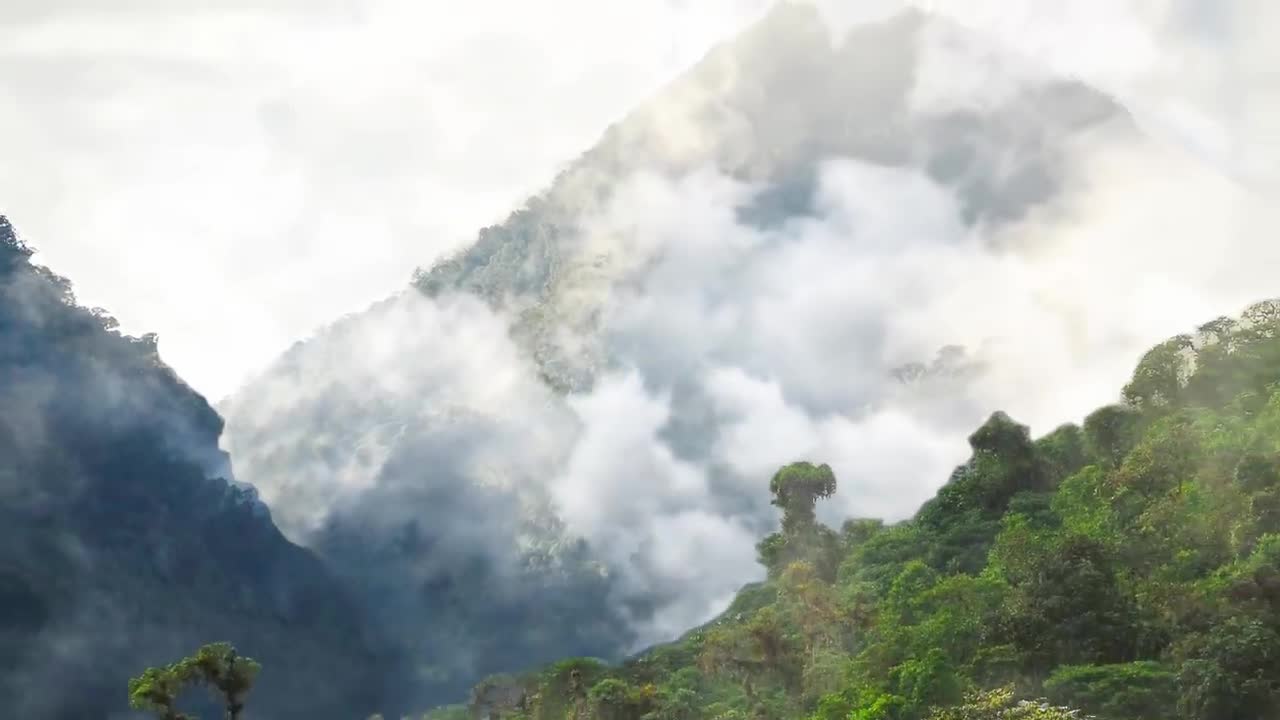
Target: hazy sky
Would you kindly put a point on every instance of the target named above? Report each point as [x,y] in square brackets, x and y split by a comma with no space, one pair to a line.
[232,174]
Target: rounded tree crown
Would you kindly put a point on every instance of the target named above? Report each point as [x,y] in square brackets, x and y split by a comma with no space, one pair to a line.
[796,489]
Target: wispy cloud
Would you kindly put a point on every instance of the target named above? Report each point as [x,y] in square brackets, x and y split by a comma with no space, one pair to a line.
[234,175]
[983,205]
[1054,250]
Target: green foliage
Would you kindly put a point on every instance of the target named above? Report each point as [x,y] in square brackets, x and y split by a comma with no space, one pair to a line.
[216,666]
[1004,462]
[1234,673]
[1258,473]
[1110,432]
[1065,602]
[772,551]
[1062,453]
[796,489]
[156,690]
[1161,375]
[1143,690]
[112,492]
[1002,704]
[1128,568]
[615,699]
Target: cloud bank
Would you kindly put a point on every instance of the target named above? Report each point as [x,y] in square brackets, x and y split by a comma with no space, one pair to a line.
[233,175]
[749,318]
[305,155]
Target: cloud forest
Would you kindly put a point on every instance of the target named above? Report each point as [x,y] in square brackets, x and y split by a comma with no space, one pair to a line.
[857,361]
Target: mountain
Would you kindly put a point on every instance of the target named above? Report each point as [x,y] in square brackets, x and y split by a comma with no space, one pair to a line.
[771,108]
[385,473]
[1127,568]
[518,457]
[125,540]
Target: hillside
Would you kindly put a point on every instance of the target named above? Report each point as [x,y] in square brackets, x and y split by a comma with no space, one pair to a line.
[1127,568]
[457,452]
[125,540]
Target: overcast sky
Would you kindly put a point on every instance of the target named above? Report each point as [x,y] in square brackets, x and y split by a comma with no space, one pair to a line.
[232,174]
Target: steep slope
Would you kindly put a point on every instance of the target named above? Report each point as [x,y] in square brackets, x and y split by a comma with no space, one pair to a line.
[1128,567]
[384,463]
[771,108]
[125,542]
[450,449]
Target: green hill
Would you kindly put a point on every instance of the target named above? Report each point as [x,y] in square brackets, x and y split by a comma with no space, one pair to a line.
[1128,567]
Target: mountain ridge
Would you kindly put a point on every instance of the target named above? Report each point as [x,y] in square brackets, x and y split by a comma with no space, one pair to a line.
[126,540]
[349,428]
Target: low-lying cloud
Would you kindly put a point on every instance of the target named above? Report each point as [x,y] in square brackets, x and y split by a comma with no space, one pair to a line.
[233,175]
[734,345]
[235,188]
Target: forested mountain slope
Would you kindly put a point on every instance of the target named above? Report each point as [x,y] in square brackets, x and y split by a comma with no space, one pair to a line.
[124,539]
[773,108]
[452,449]
[1127,567]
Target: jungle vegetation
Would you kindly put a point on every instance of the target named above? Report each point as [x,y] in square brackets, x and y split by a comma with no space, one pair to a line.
[1126,568]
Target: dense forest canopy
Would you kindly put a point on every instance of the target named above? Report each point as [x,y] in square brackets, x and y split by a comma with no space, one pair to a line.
[124,539]
[1127,568]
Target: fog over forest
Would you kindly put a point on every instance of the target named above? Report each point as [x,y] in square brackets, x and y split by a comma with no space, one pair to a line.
[490,325]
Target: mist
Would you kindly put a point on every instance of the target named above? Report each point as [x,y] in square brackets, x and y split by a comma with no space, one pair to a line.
[737,276]
[306,154]
[722,334]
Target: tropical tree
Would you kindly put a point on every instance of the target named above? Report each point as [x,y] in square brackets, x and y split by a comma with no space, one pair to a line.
[217,666]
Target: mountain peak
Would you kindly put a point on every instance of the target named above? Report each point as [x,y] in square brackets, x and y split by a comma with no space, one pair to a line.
[640,281]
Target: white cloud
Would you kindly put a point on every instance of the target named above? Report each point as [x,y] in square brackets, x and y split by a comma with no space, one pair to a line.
[619,476]
[235,175]
[327,426]
[684,545]
[887,462]
[234,179]
[789,333]
[1198,73]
